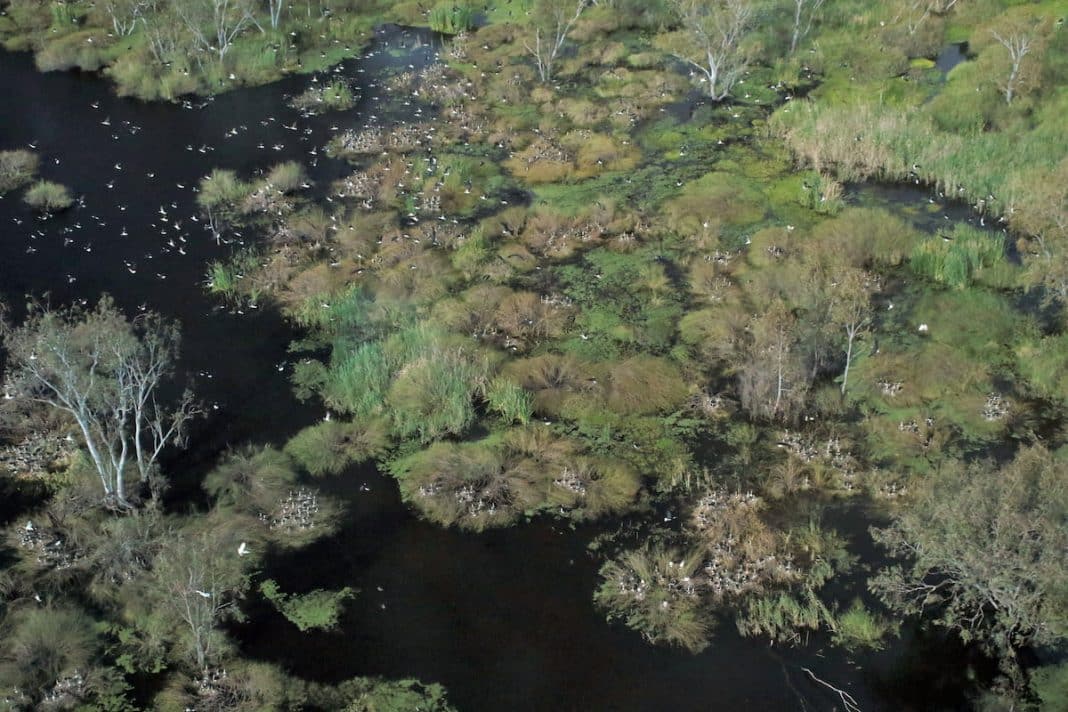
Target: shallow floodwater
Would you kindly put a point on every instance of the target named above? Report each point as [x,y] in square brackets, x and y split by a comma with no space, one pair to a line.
[503,619]
[951,55]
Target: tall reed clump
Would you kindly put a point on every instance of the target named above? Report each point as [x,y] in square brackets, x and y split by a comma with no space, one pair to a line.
[957,258]
[450,18]
[652,591]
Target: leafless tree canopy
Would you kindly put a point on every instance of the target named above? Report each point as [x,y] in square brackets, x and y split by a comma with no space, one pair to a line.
[214,24]
[714,41]
[804,15]
[104,372]
[1018,43]
[201,579]
[555,20]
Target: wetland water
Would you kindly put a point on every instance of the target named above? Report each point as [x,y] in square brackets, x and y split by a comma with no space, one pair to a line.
[503,619]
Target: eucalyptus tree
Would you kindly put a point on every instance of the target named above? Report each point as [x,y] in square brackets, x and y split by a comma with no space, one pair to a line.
[1022,40]
[851,309]
[274,9]
[215,24]
[805,12]
[715,40]
[125,15]
[553,22]
[772,379]
[982,551]
[198,580]
[105,372]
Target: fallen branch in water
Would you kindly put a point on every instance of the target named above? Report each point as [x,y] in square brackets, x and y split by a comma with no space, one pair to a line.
[847,699]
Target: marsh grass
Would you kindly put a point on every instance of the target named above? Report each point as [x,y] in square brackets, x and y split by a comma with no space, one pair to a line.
[329,447]
[649,589]
[222,279]
[860,629]
[336,96]
[510,401]
[452,18]
[958,259]
[783,617]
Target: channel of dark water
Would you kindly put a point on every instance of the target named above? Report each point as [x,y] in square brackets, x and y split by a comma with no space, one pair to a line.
[503,619]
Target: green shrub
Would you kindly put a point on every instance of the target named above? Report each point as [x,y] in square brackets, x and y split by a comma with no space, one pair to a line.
[82,50]
[315,610]
[468,485]
[331,446]
[1050,685]
[251,480]
[17,168]
[287,177]
[42,645]
[47,196]
[373,694]
[336,96]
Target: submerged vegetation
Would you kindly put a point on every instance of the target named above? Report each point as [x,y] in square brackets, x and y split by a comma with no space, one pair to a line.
[612,261]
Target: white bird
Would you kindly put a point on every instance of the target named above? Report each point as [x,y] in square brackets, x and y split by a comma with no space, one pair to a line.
[202,594]
[923,328]
[29,525]
[243,550]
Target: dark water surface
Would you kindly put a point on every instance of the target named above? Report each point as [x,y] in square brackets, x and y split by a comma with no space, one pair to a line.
[504,619]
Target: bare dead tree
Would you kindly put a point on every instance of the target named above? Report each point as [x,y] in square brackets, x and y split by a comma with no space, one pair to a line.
[851,310]
[555,19]
[215,24]
[165,36]
[274,9]
[104,372]
[772,380]
[804,15]
[714,41]
[1018,42]
[125,14]
[849,703]
[201,578]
